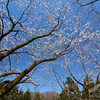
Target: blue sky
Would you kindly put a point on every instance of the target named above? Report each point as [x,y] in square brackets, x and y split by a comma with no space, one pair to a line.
[25,59]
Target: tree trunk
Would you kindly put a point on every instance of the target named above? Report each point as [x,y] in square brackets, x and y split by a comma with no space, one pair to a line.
[88,94]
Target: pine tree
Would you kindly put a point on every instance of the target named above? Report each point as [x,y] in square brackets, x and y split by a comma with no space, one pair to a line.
[72,89]
[37,96]
[27,95]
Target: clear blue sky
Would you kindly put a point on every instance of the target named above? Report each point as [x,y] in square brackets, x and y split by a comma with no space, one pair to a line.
[24,60]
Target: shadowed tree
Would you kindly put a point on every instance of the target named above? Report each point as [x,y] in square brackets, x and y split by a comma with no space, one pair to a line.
[37,96]
[27,95]
[72,89]
[12,95]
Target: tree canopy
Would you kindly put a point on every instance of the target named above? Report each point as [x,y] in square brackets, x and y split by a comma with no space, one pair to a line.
[41,35]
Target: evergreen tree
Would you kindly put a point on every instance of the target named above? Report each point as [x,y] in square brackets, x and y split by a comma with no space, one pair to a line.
[72,89]
[27,95]
[16,94]
[21,95]
[37,96]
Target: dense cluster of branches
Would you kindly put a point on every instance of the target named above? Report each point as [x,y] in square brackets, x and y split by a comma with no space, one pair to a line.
[45,31]
[29,33]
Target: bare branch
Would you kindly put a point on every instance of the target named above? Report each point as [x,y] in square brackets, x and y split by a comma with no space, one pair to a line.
[23,74]
[7,74]
[87,3]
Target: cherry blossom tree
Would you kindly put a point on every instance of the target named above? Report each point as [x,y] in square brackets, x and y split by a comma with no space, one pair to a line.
[87,61]
[41,31]
[83,63]
[90,8]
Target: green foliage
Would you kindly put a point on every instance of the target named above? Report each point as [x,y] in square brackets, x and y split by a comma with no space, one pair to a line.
[24,96]
[21,95]
[16,94]
[63,96]
[71,88]
[93,87]
[37,96]
[27,95]
[12,95]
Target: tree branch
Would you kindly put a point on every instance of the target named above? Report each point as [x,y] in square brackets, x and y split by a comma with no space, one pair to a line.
[2,56]
[7,74]
[87,3]
[23,74]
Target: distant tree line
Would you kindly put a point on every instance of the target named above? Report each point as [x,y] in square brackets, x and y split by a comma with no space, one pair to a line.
[71,88]
[16,94]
